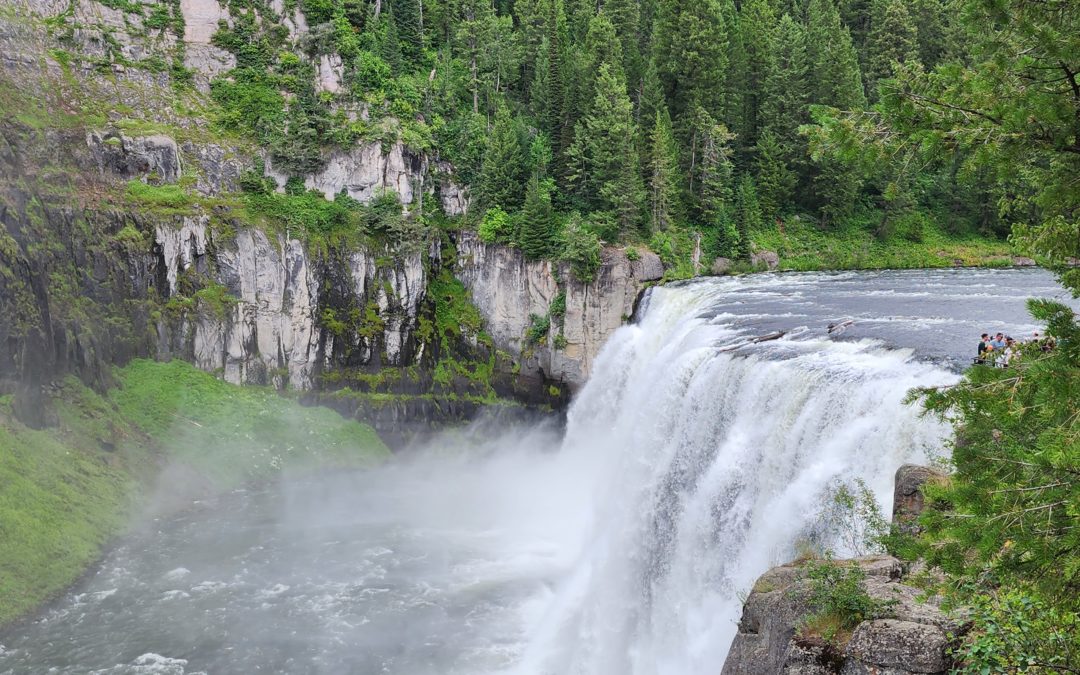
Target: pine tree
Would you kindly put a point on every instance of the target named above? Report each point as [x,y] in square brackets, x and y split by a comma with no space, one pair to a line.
[408,22]
[537,236]
[663,172]
[834,65]
[892,39]
[709,187]
[652,94]
[605,170]
[735,79]
[776,182]
[552,115]
[625,15]
[748,216]
[837,82]
[757,29]
[786,94]
[691,42]
[473,18]
[503,170]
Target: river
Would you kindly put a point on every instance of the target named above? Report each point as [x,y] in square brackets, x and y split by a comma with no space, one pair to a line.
[692,461]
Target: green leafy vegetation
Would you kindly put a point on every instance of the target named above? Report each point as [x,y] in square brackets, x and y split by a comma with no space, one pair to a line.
[68,489]
[839,600]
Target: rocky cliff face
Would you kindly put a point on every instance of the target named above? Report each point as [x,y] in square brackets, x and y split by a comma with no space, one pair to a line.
[510,291]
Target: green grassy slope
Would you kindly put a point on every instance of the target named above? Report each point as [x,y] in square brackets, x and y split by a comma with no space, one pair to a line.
[66,490]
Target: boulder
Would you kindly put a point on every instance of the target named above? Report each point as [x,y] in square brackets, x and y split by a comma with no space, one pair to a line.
[1022,261]
[907,493]
[722,266]
[888,645]
[913,639]
[767,259]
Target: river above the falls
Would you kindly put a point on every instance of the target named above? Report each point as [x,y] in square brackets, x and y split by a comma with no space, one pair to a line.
[692,461]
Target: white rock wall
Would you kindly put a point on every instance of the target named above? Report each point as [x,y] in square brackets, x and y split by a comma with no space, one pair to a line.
[274,324]
[507,289]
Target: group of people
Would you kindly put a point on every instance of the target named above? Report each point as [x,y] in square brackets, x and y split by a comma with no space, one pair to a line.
[999,350]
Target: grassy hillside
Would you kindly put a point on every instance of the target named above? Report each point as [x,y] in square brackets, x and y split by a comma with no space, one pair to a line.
[66,490]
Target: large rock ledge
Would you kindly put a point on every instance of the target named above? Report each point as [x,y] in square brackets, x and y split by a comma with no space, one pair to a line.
[914,638]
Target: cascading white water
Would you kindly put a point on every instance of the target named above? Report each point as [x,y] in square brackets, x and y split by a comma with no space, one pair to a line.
[711,465]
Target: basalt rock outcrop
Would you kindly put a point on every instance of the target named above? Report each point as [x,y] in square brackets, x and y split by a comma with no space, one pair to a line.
[510,291]
[914,635]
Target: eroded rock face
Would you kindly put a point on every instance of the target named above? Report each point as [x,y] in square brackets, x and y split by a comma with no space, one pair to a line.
[508,290]
[201,19]
[364,171]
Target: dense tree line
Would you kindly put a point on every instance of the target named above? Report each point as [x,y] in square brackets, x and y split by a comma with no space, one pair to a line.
[639,116]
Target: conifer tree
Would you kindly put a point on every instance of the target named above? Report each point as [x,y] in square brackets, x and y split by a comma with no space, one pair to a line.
[537,236]
[735,78]
[776,182]
[552,116]
[709,188]
[625,16]
[652,94]
[834,65]
[663,171]
[605,169]
[892,39]
[786,94]
[748,215]
[837,82]
[408,24]
[691,42]
[503,170]
[757,30]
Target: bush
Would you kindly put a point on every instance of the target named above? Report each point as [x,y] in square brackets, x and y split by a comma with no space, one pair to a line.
[1014,633]
[558,306]
[538,330]
[839,600]
[496,226]
[581,249]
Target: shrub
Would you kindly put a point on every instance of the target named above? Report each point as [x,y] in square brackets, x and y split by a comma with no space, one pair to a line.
[839,600]
[538,330]
[1014,633]
[558,305]
[496,226]
[581,249]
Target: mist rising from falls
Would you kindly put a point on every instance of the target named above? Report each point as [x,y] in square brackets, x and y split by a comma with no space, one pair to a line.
[710,466]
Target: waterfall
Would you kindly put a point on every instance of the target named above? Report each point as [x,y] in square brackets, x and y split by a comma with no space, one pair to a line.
[709,459]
